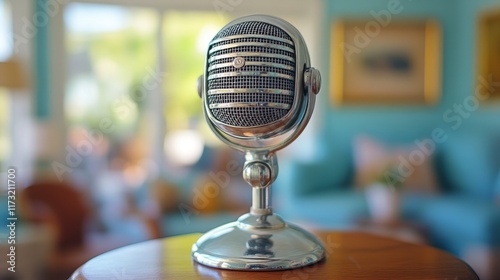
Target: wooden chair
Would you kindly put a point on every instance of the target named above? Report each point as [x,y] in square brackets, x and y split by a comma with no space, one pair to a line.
[67,211]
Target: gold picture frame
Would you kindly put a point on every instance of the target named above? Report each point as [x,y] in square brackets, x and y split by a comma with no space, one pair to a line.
[385,63]
[488,56]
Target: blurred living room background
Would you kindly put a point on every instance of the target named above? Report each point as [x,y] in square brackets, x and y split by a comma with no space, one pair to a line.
[102,123]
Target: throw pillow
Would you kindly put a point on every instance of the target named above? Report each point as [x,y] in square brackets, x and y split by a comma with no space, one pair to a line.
[409,165]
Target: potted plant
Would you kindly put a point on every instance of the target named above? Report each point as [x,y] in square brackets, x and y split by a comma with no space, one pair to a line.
[383,197]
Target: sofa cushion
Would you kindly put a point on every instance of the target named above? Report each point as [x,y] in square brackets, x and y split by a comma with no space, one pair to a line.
[406,164]
[457,221]
[329,209]
[302,178]
[468,164]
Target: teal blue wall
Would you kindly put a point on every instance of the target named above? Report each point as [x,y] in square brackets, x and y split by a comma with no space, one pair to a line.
[405,124]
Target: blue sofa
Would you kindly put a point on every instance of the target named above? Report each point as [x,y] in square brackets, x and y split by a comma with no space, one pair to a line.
[465,213]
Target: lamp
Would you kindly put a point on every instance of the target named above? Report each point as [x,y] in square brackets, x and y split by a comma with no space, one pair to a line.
[11,74]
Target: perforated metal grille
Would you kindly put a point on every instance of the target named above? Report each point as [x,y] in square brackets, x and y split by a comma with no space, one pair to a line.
[247,116]
[250,82]
[234,109]
[256,59]
[254,68]
[256,49]
[252,39]
[253,27]
[257,97]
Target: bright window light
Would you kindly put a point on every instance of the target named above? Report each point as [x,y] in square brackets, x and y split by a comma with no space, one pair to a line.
[104,18]
[5,32]
[184,147]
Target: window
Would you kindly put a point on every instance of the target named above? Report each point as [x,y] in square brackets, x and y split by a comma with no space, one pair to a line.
[114,69]
[5,31]
[109,60]
[186,36]
[112,57]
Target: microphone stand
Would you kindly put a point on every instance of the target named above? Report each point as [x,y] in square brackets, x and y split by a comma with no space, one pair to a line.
[258,240]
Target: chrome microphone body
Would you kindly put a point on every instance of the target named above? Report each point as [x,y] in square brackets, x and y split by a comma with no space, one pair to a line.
[256,84]
[258,93]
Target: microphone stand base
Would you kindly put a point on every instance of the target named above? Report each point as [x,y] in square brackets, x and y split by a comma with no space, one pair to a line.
[258,242]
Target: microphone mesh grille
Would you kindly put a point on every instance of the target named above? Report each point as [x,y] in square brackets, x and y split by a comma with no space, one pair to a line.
[258,97]
[260,92]
[255,28]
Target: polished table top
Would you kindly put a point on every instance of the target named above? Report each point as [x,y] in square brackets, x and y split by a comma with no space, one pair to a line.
[350,255]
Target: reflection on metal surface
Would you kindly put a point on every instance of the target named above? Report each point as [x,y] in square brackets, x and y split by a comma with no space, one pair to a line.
[260,246]
[258,242]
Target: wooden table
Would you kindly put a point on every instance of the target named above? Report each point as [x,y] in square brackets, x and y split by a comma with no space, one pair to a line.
[350,255]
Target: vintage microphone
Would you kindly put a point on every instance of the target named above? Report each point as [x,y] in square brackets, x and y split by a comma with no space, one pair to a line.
[258,93]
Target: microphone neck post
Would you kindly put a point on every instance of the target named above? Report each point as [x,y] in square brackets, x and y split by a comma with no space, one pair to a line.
[260,171]
[261,202]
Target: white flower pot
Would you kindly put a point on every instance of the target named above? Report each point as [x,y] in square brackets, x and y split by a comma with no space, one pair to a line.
[383,203]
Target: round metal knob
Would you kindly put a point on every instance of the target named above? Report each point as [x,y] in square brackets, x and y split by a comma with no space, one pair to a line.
[312,78]
[257,174]
[199,85]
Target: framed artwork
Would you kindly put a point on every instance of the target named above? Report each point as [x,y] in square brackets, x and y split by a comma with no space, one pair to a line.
[488,56]
[375,62]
